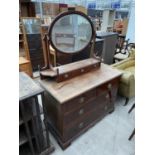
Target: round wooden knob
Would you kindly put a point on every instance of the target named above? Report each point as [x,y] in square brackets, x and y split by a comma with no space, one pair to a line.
[82,70]
[109,86]
[81,125]
[81,99]
[81,111]
[66,75]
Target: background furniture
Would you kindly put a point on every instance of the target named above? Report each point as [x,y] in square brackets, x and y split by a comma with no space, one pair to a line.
[99,47]
[127,82]
[24,57]
[96,17]
[122,50]
[27,8]
[108,20]
[120,26]
[110,41]
[73,106]
[77,8]
[33,37]
[33,134]
[25,66]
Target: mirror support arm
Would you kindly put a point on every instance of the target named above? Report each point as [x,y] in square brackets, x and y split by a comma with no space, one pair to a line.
[46,53]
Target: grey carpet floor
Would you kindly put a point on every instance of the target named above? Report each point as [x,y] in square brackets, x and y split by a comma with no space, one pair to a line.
[108,137]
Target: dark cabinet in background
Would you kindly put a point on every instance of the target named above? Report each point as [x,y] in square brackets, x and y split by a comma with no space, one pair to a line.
[36,50]
[110,41]
[34,42]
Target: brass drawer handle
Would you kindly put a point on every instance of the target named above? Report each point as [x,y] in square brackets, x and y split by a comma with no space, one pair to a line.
[81,111]
[81,125]
[81,100]
[82,70]
[66,75]
[109,86]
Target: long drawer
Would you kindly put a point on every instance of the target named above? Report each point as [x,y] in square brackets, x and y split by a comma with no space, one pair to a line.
[109,87]
[74,73]
[86,120]
[79,113]
[79,101]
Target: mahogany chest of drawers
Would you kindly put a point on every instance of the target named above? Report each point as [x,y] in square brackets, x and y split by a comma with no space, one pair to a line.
[75,105]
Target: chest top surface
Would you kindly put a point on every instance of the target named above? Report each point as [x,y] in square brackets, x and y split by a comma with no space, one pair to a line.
[66,90]
[27,87]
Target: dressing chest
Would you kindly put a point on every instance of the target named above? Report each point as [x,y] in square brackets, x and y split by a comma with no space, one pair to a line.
[74,105]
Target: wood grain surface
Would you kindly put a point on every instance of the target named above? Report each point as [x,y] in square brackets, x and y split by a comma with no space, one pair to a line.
[27,87]
[64,91]
[69,67]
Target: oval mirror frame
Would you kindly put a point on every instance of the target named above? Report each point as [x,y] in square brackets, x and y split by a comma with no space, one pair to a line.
[66,14]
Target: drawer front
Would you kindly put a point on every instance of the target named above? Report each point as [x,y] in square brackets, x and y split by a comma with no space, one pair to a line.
[79,101]
[111,86]
[74,73]
[103,100]
[81,124]
[64,77]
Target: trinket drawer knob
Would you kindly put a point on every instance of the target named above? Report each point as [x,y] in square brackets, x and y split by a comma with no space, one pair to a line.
[82,70]
[66,75]
[81,99]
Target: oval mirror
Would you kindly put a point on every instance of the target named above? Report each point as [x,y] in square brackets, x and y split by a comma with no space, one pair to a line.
[71,32]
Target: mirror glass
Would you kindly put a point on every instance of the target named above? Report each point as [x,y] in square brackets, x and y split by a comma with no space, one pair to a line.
[71,33]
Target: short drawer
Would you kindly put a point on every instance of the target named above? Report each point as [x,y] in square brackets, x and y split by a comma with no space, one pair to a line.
[79,101]
[64,77]
[79,113]
[107,86]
